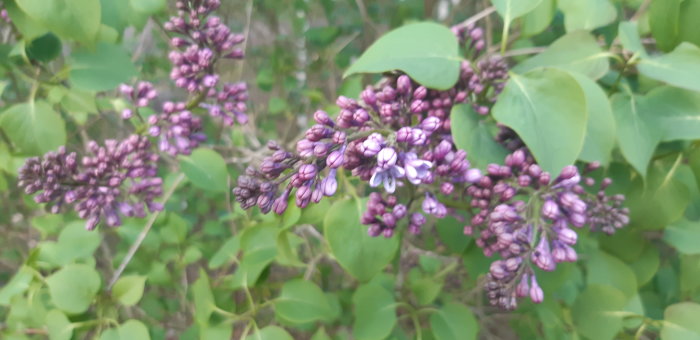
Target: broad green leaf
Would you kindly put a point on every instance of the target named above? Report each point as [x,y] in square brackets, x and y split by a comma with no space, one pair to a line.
[659,201]
[302,301]
[688,29]
[646,265]
[427,52]
[206,169]
[74,242]
[543,106]
[44,48]
[73,287]
[600,128]
[78,101]
[680,68]
[538,19]
[133,329]
[605,269]
[587,14]
[593,312]
[148,6]
[116,14]
[58,325]
[321,335]
[270,333]
[684,235]
[471,134]
[259,244]
[628,32]
[576,51]
[451,233]
[128,290]
[101,69]
[681,322]
[34,127]
[637,135]
[71,19]
[203,298]
[689,278]
[375,312]
[363,256]
[664,18]
[512,9]
[454,321]
[227,253]
[16,286]
[425,287]
[287,244]
[26,25]
[676,111]
[221,331]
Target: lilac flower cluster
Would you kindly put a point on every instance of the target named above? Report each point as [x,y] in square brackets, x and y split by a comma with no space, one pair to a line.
[202,40]
[526,217]
[114,180]
[178,130]
[139,96]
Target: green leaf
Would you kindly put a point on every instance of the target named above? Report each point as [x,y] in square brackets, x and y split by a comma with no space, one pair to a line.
[110,334]
[689,274]
[512,9]
[128,290]
[71,19]
[206,169]
[363,256]
[34,127]
[684,235]
[646,266]
[427,52]
[688,30]
[600,129]
[203,298]
[605,269]
[302,301]
[58,325]
[543,106]
[78,101]
[148,6]
[221,331]
[270,333]
[538,19]
[133,329]
[659,201]
[576,51]
[664,18]
[101,69]
[587,14]
[75,242]
[636,133]
[425,288]
[681,322]
[471,134]
[321,335]
[680,68]
[73,287]
[44,48]
[375,312]
[227,253]
[29,27]
[676,111]
[259,244]
[16,286]
[628,32]
[451,233]
[593,312]
[454,321]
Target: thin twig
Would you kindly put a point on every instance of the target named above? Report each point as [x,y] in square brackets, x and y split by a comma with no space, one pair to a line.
[642,8]
[478,16]
[246,33]
[143,234]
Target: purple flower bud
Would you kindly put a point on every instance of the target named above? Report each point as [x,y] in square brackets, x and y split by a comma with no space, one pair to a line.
[550,209]
[473,175]
[418,219]
[307,172]
[403,135]
[442,149]
[431,124]
[403,84]
[329,185]
[335,159]
[321,117]
[386,158]
[399,211]
[567,236]
[372,145]
[523,287]
[536,293]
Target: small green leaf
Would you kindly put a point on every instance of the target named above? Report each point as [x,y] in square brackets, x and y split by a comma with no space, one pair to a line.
[259,244]
[471,134]
[227,253]
[628,32]
[427,52]
[680,68]
[547,108]
[44,48]
[363,256]
[636,133]
[451,233]
[78,101]
[133,329]
[26,25]
[221,331]
[605,269]
[681,322]
[684,235]
[593,312]
[676,112]
[375,312]
[302,301]
[73,287]
[321,335]
[203,298]
[512,9]
[148,6]
[270,333]
[600,129]
[425,288]
[658,202]
[664,23]
[71,19]
[128,290]
[101,69]
[538,19]
[58,325]
[576,51]
[454,321]
[16,286]
[587,14]
[206,169]
[34,127]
